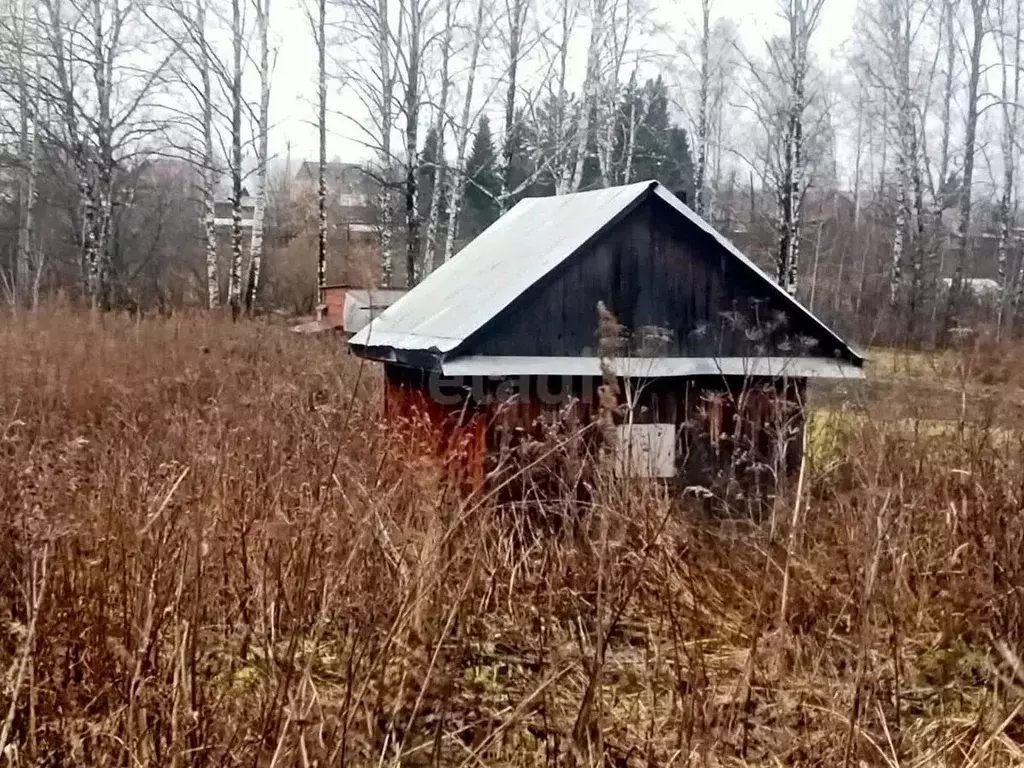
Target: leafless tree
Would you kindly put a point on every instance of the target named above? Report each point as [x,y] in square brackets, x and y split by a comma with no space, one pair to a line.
[19,42]
[976,40]
[788,102]
[235,163]
[101,83]
[440,129]
[375,49]
[463,128]
[890,31]
[624,20]
[319,28]
[1008,40]
[417,17]
[516,12]
[591,88]
[208,165]
[263,123]
[948,35]
[559,97]
[703,107]
[188,25]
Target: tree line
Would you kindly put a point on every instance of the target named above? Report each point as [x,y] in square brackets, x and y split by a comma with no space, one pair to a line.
[879,186]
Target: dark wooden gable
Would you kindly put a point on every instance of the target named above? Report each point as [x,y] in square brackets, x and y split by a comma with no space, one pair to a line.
[673,288]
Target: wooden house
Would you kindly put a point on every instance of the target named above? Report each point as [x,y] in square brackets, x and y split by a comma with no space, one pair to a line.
[710,357]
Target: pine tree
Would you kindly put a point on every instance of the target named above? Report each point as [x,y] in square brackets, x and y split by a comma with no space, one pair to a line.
[428,172]
[591,176]
[661,150]
[483,182]
[677,166]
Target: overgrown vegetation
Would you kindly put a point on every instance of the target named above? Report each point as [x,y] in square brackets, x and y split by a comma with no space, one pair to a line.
[213,554]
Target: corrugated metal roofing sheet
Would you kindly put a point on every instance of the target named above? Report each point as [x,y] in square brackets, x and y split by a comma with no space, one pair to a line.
[520,248]
[490,272]
[363,305]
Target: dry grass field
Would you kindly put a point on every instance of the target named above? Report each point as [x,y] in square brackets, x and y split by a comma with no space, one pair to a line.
[213,553]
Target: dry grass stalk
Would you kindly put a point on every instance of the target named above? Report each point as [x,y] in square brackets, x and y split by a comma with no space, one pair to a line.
[242,566]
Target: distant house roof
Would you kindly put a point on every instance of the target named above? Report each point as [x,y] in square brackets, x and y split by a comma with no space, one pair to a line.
[514,253]
[335,174]
[362,305]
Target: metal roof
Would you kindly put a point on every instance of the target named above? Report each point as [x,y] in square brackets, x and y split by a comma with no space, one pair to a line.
[489,273]
[516,251]
[362,306]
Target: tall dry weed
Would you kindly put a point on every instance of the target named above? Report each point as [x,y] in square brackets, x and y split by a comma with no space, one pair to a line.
[212,553]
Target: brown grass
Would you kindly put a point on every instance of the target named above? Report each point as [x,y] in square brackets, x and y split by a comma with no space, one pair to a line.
[212,554]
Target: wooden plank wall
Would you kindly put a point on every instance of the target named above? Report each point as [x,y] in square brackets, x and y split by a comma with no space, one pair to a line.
[455,437]
[728,434]
[653,271]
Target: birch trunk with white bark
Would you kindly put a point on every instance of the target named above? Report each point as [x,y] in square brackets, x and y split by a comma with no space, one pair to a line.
[561,167]
[209,171]
[517,21]
[413,265]
[1010,103]
[235,276]
[899,232]
[954,300]
[899,40]
[28,151]
[703,97]
[630,144]
[790,60]
[321,175]
[102,69]
[939,237]
[434,214]
[607,112]
[387,79]
[260,201]
[455,188]
[590,90]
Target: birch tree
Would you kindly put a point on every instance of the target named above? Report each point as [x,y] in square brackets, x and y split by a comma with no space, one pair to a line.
[713,69]
[703,107]
[623,20]
[319,27]
[516,12]
[462,132]
[208,167]
[976,39]
[70,133]
[591,86]
[886,65]
[440,127]
[788,104]
[1009,44]
[235,163]
[416,19]
[95,80]
[190,29]
[562,105]
[20,41]
[374,79]
[263,127]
